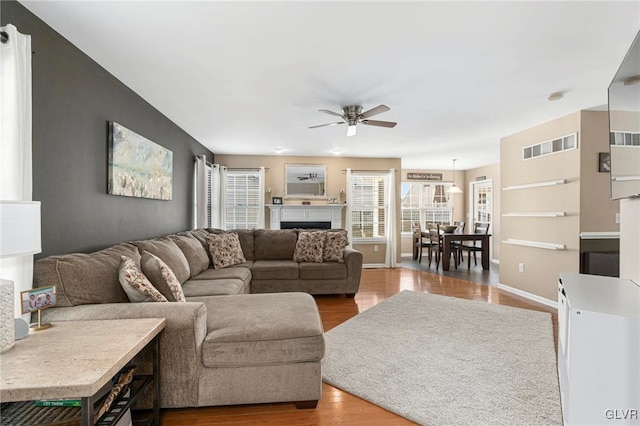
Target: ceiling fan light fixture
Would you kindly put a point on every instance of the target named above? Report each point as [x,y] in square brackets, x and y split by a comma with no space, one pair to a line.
[351,130]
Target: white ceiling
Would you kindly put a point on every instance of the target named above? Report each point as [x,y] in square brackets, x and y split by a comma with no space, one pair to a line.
[250,77]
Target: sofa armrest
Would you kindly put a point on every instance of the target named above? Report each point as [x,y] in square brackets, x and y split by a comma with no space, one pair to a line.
[180,342]
[353,261]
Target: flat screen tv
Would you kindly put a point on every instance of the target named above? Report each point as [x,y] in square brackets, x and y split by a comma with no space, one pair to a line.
[624,126]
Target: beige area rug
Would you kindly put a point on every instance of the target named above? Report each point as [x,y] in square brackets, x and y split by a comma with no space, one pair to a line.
[445,361]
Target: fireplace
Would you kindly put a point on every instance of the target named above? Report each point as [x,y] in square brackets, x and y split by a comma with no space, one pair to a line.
[305,225]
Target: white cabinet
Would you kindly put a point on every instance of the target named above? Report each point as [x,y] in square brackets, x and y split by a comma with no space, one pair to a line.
[599,350]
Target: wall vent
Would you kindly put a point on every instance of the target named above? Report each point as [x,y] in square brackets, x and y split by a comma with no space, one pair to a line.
[550,147]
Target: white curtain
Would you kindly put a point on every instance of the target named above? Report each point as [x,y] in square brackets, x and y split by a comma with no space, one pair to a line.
[261,189]
[15,143]
[347,214]
[200,218]
[392,237]
[215,196]
[222,211]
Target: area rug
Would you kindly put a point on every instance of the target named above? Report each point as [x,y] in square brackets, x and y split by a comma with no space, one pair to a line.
[440,360]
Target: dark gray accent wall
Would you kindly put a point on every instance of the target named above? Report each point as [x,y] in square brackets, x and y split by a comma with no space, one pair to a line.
[73,99]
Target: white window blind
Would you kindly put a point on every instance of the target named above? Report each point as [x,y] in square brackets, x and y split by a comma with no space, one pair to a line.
[368,208]
[242,199]
[425,203]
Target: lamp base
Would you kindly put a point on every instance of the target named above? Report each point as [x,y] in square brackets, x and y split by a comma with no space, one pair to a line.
[7,325]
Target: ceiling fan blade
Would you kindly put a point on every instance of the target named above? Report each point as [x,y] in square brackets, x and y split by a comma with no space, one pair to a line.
[379,123]
[329,124]
[326,111]
[374,111]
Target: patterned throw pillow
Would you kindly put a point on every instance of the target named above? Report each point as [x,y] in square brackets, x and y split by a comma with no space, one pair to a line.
[334,244]
[136,284]
[162,277]
[225,249]
[309,247]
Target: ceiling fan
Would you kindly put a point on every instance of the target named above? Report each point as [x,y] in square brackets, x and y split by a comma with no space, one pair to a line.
[311,176]
[352,115]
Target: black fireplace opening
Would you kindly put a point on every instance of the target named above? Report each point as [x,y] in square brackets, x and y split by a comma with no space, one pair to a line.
[305,225]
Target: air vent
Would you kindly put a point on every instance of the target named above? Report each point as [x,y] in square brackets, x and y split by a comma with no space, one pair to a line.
[550,147]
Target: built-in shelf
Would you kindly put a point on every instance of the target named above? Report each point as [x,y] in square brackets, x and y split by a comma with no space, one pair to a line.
[599,235]
[536,244]
[535,214]
[535,184]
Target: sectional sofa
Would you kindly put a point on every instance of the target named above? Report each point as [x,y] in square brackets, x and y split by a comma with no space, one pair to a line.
[247,333]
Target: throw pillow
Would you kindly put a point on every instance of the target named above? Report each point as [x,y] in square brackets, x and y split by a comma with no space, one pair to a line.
[225,250]
[136,284]
[334,244]
[162,277]
[309,247]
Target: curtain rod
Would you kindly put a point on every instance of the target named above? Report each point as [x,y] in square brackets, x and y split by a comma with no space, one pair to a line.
[4,37]
[376,171]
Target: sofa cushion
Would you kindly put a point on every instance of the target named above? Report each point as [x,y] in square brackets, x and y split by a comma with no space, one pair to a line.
[323,271]
[275,244]
[262,329]
[334,244]
[195,253]
[219,287]
[170,253]
[225,250]
[135,283]
[275,270]
[83,278]
[235,272]
[309,246]
[247,242]
[201,235]
[162,277]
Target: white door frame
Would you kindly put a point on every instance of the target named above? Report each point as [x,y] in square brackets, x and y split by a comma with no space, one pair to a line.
[470,217]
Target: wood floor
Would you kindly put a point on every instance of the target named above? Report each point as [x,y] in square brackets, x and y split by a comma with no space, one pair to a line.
[337,407]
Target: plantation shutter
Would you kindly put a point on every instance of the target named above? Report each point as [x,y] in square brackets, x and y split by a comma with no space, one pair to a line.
[242,200]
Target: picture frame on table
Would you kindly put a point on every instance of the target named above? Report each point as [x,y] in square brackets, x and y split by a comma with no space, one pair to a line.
[276,200]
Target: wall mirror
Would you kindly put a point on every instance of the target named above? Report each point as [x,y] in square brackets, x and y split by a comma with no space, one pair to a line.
[305,181]
[624,126]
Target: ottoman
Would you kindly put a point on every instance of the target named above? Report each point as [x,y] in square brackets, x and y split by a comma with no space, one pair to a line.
[262,348]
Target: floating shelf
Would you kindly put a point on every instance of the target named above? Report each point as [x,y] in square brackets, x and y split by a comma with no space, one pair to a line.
[535,214]
[536,244]
[535,185]
[600,235]
[624,178]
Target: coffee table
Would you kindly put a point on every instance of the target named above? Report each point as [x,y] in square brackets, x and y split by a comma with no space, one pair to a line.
[78,359]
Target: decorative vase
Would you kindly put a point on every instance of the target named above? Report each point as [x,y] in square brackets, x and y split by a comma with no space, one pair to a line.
[7,324]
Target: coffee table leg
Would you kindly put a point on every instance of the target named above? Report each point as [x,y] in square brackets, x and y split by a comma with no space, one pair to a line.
[156,382]
[86,410]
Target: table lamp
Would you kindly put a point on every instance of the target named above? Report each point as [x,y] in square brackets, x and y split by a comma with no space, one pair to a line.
[19,236]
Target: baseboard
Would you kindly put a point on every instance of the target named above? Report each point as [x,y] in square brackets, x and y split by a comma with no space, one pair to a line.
[530,296]
[373,265]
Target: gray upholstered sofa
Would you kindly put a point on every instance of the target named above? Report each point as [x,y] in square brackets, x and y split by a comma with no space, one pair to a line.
[224,345]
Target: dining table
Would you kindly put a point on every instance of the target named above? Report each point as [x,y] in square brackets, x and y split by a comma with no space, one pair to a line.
[449,237]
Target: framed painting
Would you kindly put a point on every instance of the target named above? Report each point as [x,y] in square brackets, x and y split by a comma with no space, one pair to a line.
[138,167]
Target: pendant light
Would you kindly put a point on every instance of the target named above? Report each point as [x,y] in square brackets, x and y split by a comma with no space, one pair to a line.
[454,189]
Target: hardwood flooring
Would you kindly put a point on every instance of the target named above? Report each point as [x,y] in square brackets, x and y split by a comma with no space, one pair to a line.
[337,407]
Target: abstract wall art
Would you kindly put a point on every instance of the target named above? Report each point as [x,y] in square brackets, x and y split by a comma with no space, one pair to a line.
[137,166]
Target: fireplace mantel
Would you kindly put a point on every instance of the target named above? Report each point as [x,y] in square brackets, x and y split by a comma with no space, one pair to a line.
[311,213]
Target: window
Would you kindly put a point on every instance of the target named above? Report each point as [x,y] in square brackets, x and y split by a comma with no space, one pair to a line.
[549,147]
[425,203]
[242,200]
[368,206]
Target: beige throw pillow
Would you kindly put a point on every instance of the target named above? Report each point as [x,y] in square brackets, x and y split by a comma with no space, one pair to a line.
[225,250]
[334,244]
[136,284]
[309,247]
[162,277]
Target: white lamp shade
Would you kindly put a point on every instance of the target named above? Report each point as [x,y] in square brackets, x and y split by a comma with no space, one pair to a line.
[19,228]
[453,189]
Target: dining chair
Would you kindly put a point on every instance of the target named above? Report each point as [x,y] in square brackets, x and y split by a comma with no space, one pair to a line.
[420,241]
[455,245]
[478,228]
[435,244]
